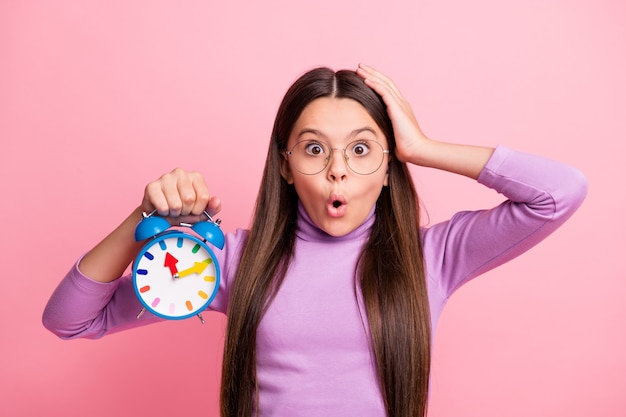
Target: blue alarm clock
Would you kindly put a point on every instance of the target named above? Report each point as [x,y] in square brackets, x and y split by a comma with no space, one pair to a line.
[176,274]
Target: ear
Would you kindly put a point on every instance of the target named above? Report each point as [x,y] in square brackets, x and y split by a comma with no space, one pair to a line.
[285,169]
[386,181]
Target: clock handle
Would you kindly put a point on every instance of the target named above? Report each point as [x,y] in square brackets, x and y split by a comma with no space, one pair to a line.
[208,216]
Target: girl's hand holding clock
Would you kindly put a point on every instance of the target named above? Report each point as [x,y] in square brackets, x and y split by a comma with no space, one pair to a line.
[180,195]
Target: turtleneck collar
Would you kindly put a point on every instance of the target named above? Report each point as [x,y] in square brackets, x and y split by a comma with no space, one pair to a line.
[307,230]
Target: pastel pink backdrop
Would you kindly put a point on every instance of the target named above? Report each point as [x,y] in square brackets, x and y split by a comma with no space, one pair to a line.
[98,98]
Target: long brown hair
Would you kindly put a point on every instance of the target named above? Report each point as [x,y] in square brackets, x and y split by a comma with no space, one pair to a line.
[390,272]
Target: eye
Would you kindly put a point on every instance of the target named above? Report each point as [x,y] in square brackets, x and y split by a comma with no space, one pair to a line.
[313,149]
[359,149]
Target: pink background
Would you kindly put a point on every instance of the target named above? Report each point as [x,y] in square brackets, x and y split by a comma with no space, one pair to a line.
[98,98]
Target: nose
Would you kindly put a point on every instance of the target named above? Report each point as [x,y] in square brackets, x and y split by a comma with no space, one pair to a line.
[337,165]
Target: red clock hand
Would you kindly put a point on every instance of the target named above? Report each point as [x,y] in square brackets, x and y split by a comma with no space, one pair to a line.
[170,262]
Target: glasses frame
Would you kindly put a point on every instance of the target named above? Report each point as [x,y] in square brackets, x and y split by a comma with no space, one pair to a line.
[343,151]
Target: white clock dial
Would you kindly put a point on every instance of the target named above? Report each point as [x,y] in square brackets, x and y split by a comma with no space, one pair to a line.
[175,276]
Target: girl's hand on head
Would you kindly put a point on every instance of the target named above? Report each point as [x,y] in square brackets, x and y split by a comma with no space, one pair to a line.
[180,194]
[409,136]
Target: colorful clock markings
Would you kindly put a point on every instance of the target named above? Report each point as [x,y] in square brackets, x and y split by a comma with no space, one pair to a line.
[189,305]
[162,245]
[142,272]
[204,295]
[172,308]
[145,288]
[148,255]
[209,278]
[156,302]
[196,248]
[179,242]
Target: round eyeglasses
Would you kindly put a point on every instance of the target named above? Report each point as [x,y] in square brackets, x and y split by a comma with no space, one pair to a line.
[363,157]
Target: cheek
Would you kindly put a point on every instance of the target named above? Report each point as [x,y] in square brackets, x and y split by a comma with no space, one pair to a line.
[386,166]
[305,186]
[381,178]
[369,191]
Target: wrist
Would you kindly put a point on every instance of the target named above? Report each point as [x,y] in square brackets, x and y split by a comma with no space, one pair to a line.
[425,153]
[460,159]
[109,259]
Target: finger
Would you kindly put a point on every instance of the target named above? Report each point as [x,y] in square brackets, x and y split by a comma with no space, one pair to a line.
[154,199]
[379,79]
[169,188]
[397,107]
[391,97]
[214,206]
[186,191]
[201,193]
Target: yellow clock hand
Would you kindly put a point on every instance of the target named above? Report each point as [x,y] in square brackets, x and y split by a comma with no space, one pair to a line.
[197,268]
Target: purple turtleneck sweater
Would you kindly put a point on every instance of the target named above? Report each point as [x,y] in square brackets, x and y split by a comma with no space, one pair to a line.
[313,347]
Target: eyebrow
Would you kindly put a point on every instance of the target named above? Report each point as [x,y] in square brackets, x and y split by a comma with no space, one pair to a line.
[352,134]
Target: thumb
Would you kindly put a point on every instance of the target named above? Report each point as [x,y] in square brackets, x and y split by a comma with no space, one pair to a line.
[214,206]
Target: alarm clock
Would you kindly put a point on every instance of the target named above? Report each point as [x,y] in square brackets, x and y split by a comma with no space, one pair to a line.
[175,274]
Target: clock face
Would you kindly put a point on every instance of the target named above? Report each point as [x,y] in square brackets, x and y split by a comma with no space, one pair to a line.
[175,275]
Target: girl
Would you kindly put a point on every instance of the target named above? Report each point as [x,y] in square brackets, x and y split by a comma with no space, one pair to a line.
[333,295]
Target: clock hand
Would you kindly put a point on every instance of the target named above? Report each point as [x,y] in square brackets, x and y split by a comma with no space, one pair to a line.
[170,262]
[197,268]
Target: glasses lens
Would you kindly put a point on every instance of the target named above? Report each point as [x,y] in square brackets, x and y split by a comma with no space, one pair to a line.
[364,156]
[310,157]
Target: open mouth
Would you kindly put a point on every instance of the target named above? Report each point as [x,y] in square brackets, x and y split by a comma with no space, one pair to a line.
[336,206]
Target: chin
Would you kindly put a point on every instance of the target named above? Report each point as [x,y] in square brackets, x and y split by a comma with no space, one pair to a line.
[337,230]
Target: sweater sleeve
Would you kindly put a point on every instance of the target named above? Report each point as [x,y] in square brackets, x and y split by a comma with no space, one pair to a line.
[83,308]
[541,195]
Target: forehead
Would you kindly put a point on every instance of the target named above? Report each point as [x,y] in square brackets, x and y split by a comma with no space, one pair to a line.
[335,119]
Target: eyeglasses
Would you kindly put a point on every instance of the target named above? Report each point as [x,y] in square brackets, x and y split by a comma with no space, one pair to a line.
[363,157]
